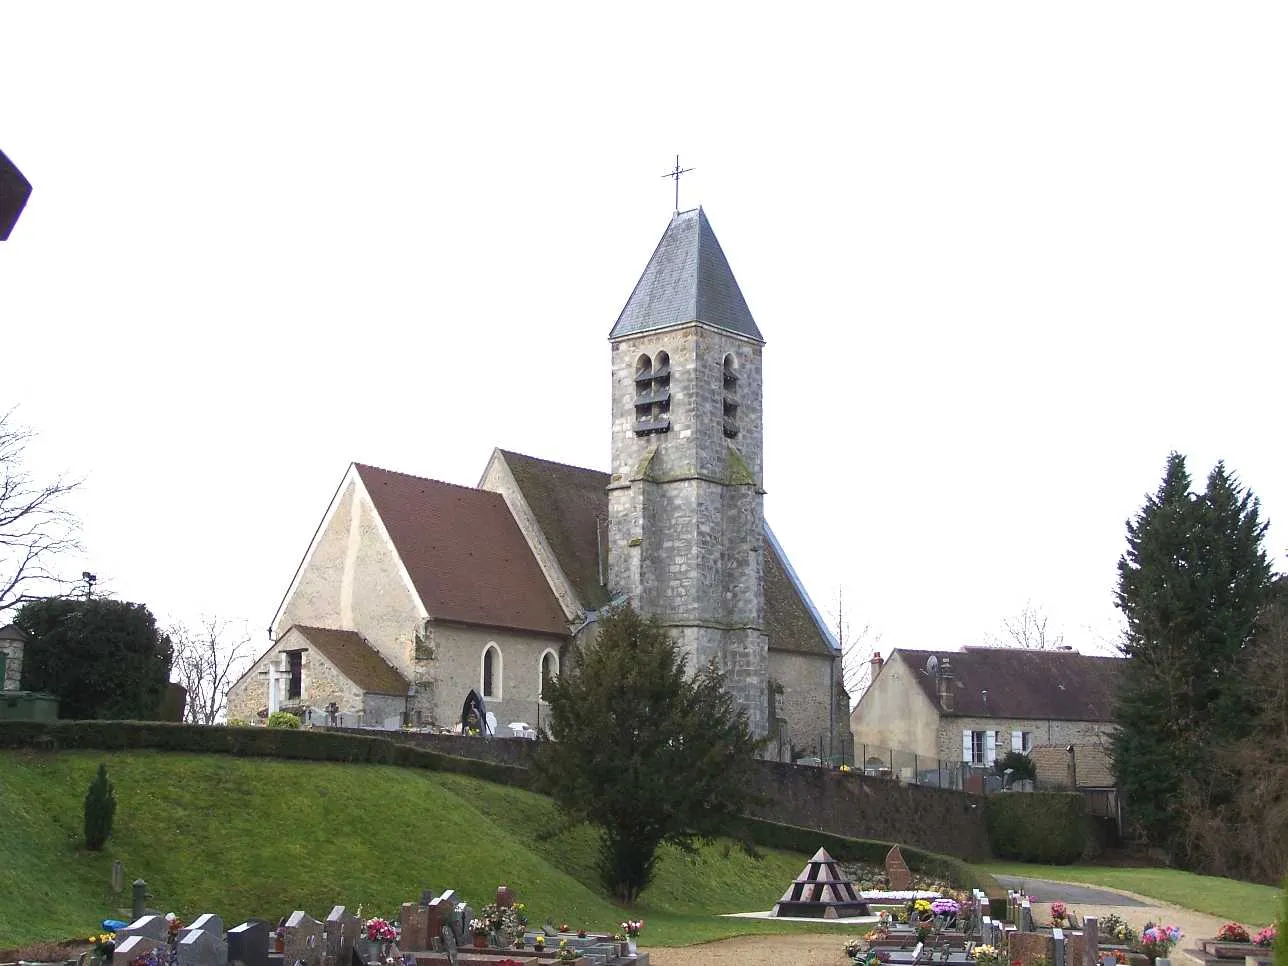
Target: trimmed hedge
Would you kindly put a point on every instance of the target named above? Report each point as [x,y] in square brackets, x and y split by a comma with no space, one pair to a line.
[253,742]
[793,838]
[1043,827]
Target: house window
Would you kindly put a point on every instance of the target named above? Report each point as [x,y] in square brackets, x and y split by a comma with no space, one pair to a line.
[549,668]
[295,673]
[1022,741]
[979,747]
[730,397]
[492,671]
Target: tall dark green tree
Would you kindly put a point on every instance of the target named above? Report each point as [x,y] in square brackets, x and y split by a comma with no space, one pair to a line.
[644,751]
[1190,586]
[103,658]
[100,810]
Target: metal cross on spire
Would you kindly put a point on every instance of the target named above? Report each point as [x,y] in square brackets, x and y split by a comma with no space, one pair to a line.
[675,174]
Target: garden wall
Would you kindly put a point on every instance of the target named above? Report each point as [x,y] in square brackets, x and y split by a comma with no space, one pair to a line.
[847,804]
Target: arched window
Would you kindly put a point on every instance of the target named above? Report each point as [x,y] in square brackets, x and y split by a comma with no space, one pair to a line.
[730,396]
[549,670]
[652,394]
[492,671]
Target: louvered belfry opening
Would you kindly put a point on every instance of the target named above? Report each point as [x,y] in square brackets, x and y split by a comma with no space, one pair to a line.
[821,892]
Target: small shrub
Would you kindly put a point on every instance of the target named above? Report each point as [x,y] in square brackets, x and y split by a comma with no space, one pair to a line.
[100,809]
[1020,765]
[283,719]
[238,723]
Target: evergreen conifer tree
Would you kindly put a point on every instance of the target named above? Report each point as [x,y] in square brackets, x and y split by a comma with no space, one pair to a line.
[1190,586]
[100,810]
[644,751]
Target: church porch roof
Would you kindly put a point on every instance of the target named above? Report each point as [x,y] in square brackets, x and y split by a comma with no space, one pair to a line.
[355,659]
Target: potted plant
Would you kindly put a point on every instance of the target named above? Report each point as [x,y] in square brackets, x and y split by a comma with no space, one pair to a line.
[539,942]
[1267,936]
[383,935]
[1232,932]
[566,953]
[104,947]
[480,930]
[985,956]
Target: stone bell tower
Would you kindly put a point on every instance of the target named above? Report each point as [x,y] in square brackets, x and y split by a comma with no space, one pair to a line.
[686,527]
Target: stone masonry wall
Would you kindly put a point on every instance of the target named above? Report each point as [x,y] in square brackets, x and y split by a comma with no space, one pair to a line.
[12,665]
[806,680]
[938,820]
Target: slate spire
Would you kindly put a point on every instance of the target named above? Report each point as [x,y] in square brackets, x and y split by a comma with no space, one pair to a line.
[688,279]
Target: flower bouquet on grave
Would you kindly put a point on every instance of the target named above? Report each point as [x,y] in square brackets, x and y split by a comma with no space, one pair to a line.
[566,953]
[1267,936]
[173,925]
[873,957]
[985,956]
[104,945]
[1232,932]
[946,910]
[855,946]
[1059,913]
[1157,941]
[539,942]
[1120,957]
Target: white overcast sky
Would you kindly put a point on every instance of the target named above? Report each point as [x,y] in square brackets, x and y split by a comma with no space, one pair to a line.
[1005,256]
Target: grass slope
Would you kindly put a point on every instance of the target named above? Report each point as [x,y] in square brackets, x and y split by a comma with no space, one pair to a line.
[242,836]
[1243,902]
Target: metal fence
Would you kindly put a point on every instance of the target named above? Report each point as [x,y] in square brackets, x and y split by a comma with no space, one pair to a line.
[908,767]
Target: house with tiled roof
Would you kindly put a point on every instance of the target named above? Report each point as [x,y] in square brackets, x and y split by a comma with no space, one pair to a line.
[417,595]
[971,706]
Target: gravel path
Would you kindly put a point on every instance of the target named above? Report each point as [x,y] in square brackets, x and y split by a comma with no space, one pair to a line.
[825,949]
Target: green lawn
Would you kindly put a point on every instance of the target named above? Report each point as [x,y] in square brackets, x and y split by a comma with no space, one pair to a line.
[244,836]
[1244,902]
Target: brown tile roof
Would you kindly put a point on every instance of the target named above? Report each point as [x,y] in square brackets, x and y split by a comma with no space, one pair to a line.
[790,622]
[1052,685]
[1092,762]
[355,659]
[568,502]
[464,553]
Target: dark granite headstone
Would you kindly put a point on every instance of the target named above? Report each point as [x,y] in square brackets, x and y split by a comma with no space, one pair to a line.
[248,943]
[14,192]
[415,920]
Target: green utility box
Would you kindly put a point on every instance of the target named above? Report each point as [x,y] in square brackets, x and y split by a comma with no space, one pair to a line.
[28,706]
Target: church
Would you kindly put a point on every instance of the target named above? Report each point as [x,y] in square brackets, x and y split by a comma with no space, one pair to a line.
[415,595]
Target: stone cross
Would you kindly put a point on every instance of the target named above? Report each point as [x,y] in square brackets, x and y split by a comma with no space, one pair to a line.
[248,944]
[197,947]
[897,871]
[302,940]
[342,930]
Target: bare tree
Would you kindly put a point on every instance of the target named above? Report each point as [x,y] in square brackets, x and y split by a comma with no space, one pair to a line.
[35,528]
[206,662]
[1028,629]
[856,669]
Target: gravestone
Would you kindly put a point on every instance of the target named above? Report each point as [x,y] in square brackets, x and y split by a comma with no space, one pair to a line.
[415,924]
[437,915]
[449,898]
[153,927]
[1026,916]
[462,915]
[118,876]
[197,947]
[208,922]
[1057,935]
[135,946]
[248,944]
[302,940]
[342,930]
[897,871]
[1090,941]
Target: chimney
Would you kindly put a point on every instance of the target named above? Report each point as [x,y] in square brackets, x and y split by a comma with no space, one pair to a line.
[875,666]
[946,696]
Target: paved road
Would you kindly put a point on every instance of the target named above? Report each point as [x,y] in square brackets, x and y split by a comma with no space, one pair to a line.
[1045,890]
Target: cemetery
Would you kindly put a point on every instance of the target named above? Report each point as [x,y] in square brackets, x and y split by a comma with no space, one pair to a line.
[434,930]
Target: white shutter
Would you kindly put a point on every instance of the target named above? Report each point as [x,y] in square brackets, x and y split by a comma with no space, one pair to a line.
[990,747]
[1017,741]
[966,747]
